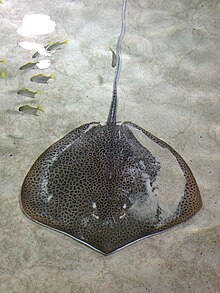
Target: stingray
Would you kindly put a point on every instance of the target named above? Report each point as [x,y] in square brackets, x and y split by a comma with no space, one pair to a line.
[110,185]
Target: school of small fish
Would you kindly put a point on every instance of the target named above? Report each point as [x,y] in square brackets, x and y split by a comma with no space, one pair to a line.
[39,78]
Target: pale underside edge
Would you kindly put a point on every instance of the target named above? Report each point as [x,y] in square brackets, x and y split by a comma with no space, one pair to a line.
[94,248]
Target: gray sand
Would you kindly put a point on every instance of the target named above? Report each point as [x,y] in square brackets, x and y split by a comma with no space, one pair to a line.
[169,85]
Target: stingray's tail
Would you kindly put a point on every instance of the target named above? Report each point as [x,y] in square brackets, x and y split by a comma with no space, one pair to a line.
[113,108]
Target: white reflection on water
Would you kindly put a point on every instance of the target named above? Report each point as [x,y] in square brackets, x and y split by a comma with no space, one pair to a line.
[43,64]
[35,47]
[36,24]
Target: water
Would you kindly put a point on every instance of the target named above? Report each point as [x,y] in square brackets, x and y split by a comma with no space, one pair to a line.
[168,85]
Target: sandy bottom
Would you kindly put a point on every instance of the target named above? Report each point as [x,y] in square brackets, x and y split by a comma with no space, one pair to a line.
[169,85]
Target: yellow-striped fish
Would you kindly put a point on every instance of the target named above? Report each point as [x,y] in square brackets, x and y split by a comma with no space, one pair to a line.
[41,78]
[28,93]
[31,110]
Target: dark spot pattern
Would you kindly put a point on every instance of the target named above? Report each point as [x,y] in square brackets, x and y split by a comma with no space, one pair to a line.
[91,185]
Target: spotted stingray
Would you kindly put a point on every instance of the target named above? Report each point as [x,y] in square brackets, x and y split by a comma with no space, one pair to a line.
[110,185]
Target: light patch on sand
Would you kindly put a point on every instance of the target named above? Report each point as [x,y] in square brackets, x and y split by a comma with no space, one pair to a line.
[35,25]
[34,47]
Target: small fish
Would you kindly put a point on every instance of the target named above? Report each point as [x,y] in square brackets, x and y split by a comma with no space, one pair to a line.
[28,65]
[114,58]
[56,46]
[3,61]
[31,110]
[36,54]
[28,93]
[41,78]
[3,74]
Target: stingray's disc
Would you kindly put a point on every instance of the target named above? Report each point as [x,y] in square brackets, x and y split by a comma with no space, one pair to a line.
[110,186]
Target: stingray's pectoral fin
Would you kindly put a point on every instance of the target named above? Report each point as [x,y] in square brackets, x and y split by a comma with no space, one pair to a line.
[34,189]
[188,201]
